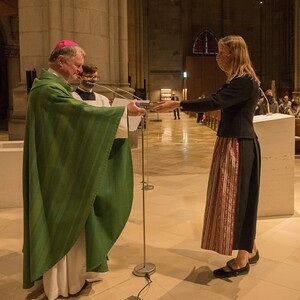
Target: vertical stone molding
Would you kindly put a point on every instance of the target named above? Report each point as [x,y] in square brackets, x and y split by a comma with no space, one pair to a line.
[118,42]
[123,42]
[32,36]
[137,39]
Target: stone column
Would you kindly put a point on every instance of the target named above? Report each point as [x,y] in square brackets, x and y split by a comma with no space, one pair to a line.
[136,42]
[32,36]
[297,52]
[118,42]
[123,42]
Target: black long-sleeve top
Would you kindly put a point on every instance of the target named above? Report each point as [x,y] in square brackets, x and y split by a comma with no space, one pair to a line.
[237,101]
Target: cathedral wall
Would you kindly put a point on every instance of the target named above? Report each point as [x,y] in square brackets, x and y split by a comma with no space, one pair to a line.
[172,27]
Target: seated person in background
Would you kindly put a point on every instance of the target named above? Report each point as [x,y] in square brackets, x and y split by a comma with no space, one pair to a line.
[262,105]
[85,89]
[297,100]
[279,101]
[285,106]
[295,108]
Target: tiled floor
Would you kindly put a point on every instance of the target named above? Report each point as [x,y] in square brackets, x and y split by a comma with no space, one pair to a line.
[177,160]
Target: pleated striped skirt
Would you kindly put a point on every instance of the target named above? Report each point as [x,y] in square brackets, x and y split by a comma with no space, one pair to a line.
[232,196]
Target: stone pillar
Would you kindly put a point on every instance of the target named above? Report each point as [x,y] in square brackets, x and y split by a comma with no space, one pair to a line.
[136,44]
[297,52]
[118,42]
[33,35]
[123,42]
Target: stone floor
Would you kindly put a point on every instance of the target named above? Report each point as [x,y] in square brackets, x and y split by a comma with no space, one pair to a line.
[177,158]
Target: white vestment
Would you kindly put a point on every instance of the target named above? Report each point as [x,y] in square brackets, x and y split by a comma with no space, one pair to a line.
[69,275]
[102,101]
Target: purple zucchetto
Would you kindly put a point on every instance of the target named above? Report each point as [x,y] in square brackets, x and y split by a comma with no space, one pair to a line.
[65,43]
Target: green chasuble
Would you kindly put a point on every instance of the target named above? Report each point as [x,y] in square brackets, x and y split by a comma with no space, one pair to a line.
[76,176]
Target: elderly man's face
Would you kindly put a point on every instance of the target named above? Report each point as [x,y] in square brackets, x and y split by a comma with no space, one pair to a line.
[72,67]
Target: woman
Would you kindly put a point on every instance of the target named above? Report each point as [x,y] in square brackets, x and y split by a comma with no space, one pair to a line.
[233,187]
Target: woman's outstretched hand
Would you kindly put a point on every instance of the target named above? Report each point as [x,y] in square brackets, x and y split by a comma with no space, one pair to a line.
[166,106]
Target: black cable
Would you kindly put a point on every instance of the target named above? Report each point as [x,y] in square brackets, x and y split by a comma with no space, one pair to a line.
[149,281]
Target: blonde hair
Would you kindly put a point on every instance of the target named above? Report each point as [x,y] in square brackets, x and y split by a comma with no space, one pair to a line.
[240,60]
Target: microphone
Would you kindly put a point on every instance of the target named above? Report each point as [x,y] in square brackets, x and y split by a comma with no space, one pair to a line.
[268,105]
[107,88]
[131,94]
[142,103]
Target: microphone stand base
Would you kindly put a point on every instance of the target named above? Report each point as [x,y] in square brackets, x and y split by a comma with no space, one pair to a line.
[142,269]
[148,187]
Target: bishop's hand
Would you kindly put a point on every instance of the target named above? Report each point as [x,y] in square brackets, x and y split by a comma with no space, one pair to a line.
[134,110]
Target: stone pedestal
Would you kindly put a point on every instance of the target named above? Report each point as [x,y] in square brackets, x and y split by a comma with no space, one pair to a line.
[17,118]
[276,135]
[11,160]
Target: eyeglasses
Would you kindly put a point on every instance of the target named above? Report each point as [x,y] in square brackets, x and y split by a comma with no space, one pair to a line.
[91,77]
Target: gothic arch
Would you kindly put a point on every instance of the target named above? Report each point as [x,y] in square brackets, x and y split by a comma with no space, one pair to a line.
[205,44]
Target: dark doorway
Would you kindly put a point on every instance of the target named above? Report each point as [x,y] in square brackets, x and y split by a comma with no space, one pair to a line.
[203,76]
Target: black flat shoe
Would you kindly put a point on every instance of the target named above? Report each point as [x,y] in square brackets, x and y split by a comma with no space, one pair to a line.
[221,273]
[254,259]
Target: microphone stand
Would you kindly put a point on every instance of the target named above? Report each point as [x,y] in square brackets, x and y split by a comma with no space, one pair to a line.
[133,95]
[146,184]
[107,88]
[144,269]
